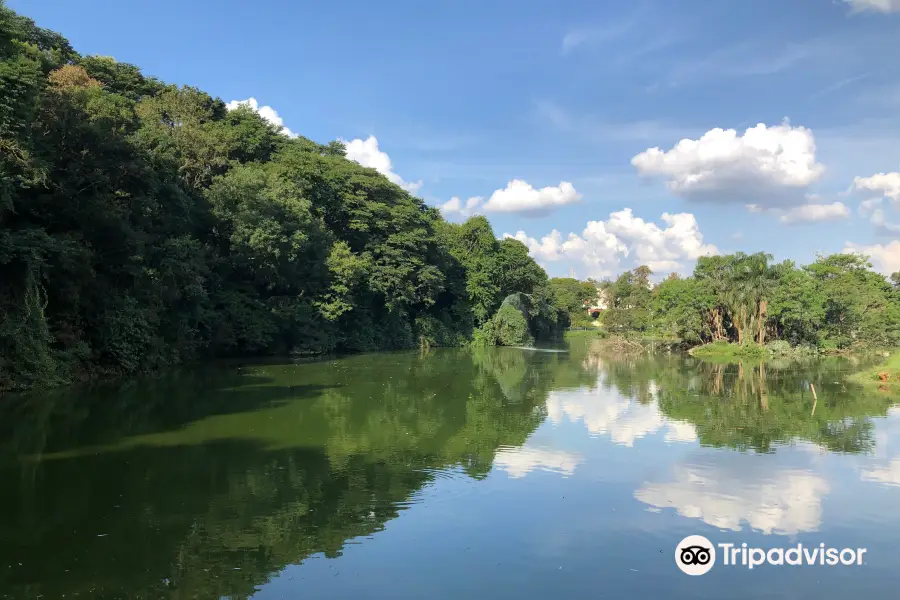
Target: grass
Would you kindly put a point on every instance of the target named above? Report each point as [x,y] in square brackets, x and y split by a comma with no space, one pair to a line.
[886,376]
[593,332]
[729,351]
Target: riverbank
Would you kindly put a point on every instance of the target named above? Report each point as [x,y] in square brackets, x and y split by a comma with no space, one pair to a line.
[885,376]
[777,349]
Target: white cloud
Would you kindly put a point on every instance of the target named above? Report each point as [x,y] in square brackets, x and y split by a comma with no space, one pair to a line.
[366,153]
[266,112]
[882,225]
[517,197]
[603,245]
[766,165]
[519,462]
[520,197]
[768,499]
[867,206]
[886,184]
[455,206]
[885,257]
[882,6]
[811,213]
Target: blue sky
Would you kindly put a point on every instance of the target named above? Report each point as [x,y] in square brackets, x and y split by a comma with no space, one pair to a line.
[498,100]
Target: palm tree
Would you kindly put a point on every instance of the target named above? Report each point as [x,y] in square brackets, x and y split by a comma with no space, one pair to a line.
[744,288]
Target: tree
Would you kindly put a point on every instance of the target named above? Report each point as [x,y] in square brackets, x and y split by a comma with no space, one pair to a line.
[570,295]
[680,308]
[797,306]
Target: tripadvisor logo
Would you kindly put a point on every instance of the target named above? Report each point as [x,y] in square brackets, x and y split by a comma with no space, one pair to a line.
[696,555]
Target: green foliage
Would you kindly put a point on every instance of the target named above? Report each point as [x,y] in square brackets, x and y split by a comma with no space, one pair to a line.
[144,224]
[569,296]
[836,303]
[727,350]
[511,327]
[522,319]
[779,348]
[782,349]
[885,375]
[680,307]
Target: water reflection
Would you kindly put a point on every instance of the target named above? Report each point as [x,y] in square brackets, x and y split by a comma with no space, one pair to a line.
[609,412]
[518,462]
[226,476]
[727,491]
[211,482]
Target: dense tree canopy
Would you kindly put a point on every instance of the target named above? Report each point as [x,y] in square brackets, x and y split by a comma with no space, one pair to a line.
[570,295]
[144,224]
[835,303]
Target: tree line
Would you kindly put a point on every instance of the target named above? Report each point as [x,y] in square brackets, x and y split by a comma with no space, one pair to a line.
[144,224]
[835,303]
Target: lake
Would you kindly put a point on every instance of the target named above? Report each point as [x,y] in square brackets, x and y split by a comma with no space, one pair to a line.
[497,473]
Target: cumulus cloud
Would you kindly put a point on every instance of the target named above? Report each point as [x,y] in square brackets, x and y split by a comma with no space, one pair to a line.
[811,213]
[266,112]
[607,412]
[519,462]
[882,225]
[604,245]
[882,6]
[520,197]
[455,206]
[868,206]
[517,197]
[367,153]
[767,498]
[767,166]
[885,184]
[885,257]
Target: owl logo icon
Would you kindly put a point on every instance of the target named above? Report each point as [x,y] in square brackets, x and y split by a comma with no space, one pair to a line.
[695,555]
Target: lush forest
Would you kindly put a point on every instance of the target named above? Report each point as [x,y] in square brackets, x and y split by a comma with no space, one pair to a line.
[836,303]
[144,224]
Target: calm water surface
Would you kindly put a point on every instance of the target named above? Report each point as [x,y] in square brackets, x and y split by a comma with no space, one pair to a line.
[505,473]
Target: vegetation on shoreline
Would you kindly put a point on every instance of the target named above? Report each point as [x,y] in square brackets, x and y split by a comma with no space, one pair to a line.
[776,350]
[144,224]
[886,375]
[743,305]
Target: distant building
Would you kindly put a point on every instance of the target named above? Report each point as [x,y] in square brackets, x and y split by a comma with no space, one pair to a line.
[597,304]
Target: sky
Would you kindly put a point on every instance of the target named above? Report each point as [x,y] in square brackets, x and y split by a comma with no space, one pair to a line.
[603,134]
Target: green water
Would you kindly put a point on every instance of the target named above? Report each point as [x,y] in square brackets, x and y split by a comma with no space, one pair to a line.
[504,473]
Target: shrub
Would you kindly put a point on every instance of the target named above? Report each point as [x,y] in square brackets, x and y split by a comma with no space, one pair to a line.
[511,327]
[779,348]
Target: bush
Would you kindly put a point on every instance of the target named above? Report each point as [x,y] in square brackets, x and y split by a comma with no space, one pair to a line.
[433,332]
[779,348]
[511,327]
[782,349]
